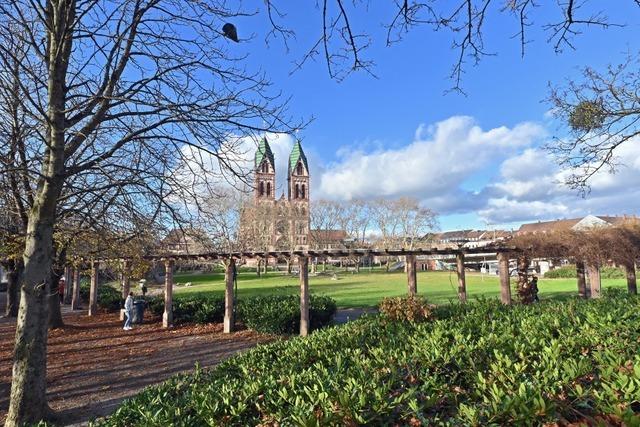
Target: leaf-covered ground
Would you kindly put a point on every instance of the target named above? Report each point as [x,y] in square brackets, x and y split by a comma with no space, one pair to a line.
[93,364]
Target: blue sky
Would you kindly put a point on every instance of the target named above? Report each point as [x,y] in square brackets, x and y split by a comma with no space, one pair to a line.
[474,158]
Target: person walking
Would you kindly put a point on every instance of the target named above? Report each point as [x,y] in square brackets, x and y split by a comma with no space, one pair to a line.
[128,312]
[61,284]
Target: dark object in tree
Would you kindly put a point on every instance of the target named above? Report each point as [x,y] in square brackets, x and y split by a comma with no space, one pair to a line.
[587,116]
[230,32]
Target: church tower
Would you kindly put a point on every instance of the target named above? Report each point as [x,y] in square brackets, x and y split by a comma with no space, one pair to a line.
[298,178]
[264,173]
[298,196]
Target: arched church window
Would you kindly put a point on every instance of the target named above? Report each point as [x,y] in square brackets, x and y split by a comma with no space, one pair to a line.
[261,188]
[268,189]
[297,192]
[265,167]
[302,196]
[299,171]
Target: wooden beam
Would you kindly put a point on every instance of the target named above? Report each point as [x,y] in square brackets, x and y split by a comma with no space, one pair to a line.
[229,317]
[582,281]
[505,280]
[630,272]
[412,279]
[167,315]
[462,285]
[93,290]
[303,264]
[75,297]
[593,271]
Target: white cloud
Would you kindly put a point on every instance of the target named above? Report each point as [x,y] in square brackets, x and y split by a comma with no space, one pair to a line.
[531,186]
[436,163]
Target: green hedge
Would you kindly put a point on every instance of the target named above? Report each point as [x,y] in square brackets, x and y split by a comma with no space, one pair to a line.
[281,314]
[479,364]
[109,298]
[272,314]
[569,272]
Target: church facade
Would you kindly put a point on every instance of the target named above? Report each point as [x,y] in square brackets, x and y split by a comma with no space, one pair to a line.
[270,223]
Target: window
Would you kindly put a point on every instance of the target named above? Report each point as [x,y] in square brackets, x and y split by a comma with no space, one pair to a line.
[265,167]
[302,192]
[299,171]
[268,189]
[297,192]
[261,188]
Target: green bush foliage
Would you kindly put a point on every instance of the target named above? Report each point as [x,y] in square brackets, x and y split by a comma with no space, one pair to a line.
[409,309]
[478,364]
[569,272]
[280,314]
[191,309]
[109,298]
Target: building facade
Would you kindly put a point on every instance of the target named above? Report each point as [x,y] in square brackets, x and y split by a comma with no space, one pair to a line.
[270,223]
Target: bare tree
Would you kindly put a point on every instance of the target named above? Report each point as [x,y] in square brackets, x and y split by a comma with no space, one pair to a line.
[600,112]
[127,85]
[343,44]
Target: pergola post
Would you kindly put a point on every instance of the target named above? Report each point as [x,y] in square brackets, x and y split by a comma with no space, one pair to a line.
[229,318]
[167,316]
[582,281]
[93,290]
[505,282]
[75,297]
[303,264]
[126,284]
[412,279]
[630,271]
[68,284]
[462,284]
[593,270]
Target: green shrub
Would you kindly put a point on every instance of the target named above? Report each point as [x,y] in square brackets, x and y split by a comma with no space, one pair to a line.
[109,298]
[276,314]
[574,362]
[280,314]
[564,272]
[569,272]
[191,309]
[408,309]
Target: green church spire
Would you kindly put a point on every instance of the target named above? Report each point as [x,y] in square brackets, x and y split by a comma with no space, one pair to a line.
[264,151]
[296,155]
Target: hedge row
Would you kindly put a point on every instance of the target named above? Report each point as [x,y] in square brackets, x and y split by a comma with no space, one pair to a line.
[109,298]
[272,314]
[569,272]
[479,364]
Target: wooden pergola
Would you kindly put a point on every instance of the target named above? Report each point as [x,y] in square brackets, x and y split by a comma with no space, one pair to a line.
[504,255]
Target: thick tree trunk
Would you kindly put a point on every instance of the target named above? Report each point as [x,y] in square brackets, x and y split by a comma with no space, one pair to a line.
[593,272]
[28,387]
[55,313]
[14,273]
[28,402]
[505,280]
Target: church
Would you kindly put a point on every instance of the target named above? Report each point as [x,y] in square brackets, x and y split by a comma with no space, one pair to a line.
[270,223]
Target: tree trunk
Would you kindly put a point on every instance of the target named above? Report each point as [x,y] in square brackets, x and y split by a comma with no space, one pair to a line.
[68,287]
[593,271]
[259,267]
[14,271]
[55,313]
[28,402]
[167,315]
[288,266]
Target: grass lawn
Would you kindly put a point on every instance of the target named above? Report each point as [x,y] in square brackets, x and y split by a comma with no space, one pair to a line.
[366,289]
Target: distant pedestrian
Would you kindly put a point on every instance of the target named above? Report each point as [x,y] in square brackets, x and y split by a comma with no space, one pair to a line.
[61,284]
[128,312]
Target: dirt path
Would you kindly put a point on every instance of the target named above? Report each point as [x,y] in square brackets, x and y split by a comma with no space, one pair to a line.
[93,364]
